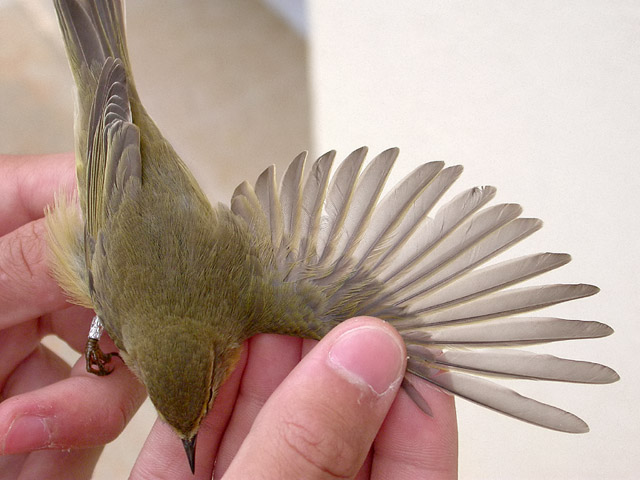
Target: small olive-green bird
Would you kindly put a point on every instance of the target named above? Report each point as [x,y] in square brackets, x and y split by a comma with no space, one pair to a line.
[179,284]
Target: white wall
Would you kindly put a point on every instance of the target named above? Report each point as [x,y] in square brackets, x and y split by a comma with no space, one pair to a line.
[542,100]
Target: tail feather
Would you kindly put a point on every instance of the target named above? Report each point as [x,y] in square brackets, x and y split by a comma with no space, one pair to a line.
[92,32]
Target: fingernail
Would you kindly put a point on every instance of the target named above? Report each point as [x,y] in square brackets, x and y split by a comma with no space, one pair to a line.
[368,356]
[27,433]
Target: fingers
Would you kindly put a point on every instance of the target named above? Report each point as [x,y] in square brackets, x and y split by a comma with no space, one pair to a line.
[320,423]
[60,464]
[16,344]
[27,290]
[47,418]
[28,184]
[163,457]
[271,359]
[411,444]
[42,367]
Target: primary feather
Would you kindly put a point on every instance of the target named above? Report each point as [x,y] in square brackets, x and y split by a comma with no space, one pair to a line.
[422,269]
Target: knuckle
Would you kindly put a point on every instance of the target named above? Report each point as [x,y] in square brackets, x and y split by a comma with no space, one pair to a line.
[323,447]
[121,416]
[23,258]
[434,461]
[26,286]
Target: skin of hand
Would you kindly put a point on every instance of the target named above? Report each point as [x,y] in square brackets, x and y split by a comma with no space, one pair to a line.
[53,418]
[288,411]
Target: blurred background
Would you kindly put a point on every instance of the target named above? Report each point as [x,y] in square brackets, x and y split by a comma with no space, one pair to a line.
[538,98]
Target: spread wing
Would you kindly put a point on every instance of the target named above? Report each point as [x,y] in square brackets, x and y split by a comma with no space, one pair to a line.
[425,269]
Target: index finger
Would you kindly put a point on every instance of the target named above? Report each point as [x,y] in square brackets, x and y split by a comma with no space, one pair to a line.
[411,444]
[27,289]
[28,184]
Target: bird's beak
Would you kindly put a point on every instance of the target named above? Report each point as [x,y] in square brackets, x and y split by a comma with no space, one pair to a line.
[190,448]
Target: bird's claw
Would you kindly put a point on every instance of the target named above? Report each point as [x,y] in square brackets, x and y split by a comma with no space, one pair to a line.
[96,359]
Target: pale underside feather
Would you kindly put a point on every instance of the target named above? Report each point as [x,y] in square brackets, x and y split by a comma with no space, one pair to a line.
[451,285]
[269,198]
[437,252]
[498,304]
[515,363]
[359,209]
[497,397]
[395,203]
[411,241]
[291,201]
[401,211]
[315,191]
[244,190]
[336,207]
[509,331]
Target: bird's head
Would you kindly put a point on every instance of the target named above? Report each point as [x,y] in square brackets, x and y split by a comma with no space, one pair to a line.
[183,367]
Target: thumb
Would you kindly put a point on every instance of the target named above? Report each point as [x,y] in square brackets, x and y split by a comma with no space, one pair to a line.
[321,421]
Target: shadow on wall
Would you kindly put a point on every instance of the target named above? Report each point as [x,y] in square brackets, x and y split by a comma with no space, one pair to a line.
[225,81]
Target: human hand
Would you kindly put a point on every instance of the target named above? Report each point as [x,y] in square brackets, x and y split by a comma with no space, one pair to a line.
[79,410]
[317,419]
[54,419]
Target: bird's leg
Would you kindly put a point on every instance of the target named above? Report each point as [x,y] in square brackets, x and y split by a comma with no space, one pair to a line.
[96,359]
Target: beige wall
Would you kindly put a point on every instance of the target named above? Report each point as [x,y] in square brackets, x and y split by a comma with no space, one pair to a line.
[540,99]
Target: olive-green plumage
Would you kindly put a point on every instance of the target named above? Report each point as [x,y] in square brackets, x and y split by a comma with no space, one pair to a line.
[179,284]
[150,256]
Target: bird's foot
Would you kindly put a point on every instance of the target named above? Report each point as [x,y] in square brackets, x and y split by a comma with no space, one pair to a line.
[96,359]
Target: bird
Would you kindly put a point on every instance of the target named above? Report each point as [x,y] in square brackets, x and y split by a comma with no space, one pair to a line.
[179,284]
